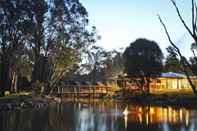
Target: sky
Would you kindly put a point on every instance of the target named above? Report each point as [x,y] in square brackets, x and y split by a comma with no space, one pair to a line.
[120,22]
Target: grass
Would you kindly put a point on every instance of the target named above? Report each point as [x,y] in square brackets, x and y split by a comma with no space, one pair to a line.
[15,97]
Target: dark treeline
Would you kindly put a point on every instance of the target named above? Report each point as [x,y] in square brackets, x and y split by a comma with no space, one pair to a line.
[43,43]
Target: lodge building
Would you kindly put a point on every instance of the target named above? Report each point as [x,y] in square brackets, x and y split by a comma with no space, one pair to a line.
[171,82]
[166,83]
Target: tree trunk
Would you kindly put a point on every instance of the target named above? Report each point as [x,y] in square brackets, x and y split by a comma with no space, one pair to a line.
[14,82]
[148,84]
[5,80]
[41,70]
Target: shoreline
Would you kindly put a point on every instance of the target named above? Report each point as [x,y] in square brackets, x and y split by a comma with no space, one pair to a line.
[18,102]
[185,101]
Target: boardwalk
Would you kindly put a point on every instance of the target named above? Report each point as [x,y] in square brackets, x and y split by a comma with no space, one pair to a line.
[79,91]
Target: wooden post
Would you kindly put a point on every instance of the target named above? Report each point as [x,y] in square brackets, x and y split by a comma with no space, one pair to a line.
[74,92]
[78,92]
[89,91]
[58,90]
[93,91]
[61,95]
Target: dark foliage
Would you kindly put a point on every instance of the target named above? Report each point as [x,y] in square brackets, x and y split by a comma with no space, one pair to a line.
[143,60]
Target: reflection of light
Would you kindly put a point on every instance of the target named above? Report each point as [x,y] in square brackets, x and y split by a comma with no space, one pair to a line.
[174,116]
[152,110]
[116,110]
[125,113]
[152,115]
[147,120]
[140,109]
[187,118]
[125,121]
[165,114]
[170,114]
[140,118]
[181,115]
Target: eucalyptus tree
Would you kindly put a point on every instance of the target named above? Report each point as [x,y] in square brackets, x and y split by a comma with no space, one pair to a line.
[14,18]
[113,64]
[59,35]
[172,63]
[50,37]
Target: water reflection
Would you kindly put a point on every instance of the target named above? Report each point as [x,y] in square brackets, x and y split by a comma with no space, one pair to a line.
[125,113]
[99,116]
[166,118]
[155,115]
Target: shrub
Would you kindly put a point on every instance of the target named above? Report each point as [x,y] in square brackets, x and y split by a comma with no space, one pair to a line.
[38,88]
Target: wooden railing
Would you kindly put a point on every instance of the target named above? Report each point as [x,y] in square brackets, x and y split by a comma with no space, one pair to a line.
[79,91]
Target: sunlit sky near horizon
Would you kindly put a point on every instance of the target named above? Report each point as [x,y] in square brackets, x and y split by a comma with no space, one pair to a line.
[120,22]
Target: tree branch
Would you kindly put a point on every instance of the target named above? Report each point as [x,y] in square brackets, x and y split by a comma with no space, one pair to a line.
[181,18]
[193,18]
[184,61]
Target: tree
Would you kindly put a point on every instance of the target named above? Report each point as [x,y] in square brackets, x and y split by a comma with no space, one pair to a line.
[187,66]
[47,38]
[95,64]
[143,61]
[102,64]
[113,64]
[172,63]
[14,16]
[58,36]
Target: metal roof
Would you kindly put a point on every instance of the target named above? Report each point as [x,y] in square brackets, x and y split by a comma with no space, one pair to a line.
[173,75]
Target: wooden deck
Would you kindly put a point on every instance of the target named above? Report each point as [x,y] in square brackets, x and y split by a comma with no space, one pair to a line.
[80,91]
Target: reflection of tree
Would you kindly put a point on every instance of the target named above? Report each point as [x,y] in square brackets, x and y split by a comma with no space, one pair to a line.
[95,116]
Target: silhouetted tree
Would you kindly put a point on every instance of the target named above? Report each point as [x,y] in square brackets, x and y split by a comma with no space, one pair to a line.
[113,64]
[95,66]
[58,36]
[172,63]
[143,60]
[102,64]
[48,38]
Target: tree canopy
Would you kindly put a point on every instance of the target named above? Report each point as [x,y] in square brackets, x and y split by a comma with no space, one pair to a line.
[48,37]
[172,63]
[143,60]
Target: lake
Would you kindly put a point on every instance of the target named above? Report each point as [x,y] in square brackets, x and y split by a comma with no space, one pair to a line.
[99,116]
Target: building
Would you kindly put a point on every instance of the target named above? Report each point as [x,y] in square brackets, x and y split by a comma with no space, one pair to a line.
[166,83]
[171,82]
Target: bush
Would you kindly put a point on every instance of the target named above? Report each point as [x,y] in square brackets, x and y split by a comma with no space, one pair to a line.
[1,93]
[37,88]
[23,84]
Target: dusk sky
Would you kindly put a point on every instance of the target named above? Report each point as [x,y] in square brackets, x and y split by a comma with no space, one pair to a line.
[120,22]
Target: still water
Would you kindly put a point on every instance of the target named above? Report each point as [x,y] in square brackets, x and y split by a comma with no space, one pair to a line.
[99,116]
